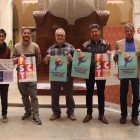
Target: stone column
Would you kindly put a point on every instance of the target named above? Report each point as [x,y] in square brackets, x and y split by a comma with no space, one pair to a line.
[6,18]
[96,4]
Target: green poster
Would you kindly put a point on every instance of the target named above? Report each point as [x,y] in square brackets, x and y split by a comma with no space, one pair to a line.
[81,65]
[127,65]
[58,68]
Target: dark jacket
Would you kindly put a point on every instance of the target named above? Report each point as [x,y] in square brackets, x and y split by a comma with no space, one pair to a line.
[105,46]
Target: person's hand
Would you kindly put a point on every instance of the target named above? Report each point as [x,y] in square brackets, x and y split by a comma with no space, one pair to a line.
[70,58]
[15,60]
[138,52]
[108,52]
[22,55]
[78,50]
[118,51]
[48,57]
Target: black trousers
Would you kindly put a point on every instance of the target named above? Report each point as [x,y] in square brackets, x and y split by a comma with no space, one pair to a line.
[100,92]
[123,96]
[4,98]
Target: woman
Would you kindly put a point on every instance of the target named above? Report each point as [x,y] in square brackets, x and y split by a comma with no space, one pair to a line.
[5,53]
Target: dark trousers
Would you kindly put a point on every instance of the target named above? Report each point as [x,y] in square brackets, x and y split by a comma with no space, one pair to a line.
[4,98]
[55,92]
[123,96]
[100,92]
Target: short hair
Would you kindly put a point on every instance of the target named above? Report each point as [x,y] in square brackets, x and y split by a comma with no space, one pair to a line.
[60,29]
[128,25]
[94,26]
[26,28]
[3,32]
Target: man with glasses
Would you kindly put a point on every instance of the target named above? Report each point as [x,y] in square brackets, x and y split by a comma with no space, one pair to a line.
[129,44]
[5,53]
[26,48]
[61,48]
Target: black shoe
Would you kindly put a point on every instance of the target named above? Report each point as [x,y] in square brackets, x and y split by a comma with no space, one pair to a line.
[36,120]
[26,116]
[135,121]
[123,120]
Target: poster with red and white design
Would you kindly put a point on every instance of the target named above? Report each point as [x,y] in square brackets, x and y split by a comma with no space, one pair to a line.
[103,66]
[6,71]
[27,69]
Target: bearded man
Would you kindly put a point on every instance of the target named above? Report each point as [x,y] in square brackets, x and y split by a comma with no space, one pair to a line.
[26,48]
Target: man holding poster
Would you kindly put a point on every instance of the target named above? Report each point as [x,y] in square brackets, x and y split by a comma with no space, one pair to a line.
[61,48]
[95,45]
[129,45]
[27,49]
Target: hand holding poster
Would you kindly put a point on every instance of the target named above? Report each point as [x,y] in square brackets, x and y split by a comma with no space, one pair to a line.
[127,65]
[81,64]
[27,69]
[58,68]
[103,67]
[6,71]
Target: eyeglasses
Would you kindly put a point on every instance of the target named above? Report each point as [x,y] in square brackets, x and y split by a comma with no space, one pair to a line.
[60,35]
[2,36]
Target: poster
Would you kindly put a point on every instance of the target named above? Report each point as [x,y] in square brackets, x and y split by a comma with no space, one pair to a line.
[127,65]
[6,71]
[103,67]
[81,64]
[58,68]
[27,69]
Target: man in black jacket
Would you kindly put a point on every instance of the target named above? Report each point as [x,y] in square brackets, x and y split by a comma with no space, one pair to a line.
[95,45]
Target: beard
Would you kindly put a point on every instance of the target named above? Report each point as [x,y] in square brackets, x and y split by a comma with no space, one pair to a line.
[26,39]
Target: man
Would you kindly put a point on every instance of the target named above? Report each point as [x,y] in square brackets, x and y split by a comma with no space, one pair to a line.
[5,53]
[95,45]
[26,48]
[61,48]
[129,44]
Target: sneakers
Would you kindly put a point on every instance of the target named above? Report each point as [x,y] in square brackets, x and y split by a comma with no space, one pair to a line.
[135,121]
[36,120]
[4,119]
[26,116]
[54,117]
[72,117]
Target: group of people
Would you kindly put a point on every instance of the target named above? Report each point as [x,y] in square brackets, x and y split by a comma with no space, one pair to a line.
[96,44]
